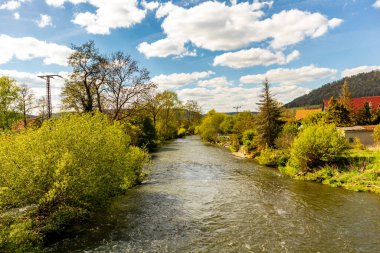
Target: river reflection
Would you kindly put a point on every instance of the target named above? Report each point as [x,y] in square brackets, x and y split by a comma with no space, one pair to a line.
[201,199]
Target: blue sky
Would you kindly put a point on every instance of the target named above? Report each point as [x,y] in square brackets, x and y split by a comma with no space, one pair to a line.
[216,52]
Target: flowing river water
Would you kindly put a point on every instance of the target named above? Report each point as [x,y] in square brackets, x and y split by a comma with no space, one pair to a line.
[200,198]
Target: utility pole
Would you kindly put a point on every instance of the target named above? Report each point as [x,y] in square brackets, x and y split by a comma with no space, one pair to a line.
[48,92]
[237,108]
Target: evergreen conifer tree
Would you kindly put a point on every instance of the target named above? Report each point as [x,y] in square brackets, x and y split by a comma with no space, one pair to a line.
[268,120]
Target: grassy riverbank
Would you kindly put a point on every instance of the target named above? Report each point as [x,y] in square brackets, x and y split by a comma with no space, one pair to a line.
[310,150]
[360,172]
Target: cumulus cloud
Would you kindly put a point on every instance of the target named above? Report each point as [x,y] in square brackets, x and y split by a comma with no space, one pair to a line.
[286,76]
[16,15]
[163,48]
[150,5]
[27,48]
[44,21]
[109,15]
[10,5]
[215,82]
[178,80]
[360,69]
[60,3]
[225,98]
[253,57]
[215,25]
[37,85]
[377,4]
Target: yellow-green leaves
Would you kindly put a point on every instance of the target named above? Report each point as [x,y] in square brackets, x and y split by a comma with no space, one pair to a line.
[71,165]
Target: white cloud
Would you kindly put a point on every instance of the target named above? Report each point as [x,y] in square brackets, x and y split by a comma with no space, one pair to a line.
[290,76]
[214,82]
[162,48]
[360,69]
[45,20]
[27,48]
[178,80]
[253,57]
[150,5]
[16,15]
[10,5]
[377,4]
[60,3]
[293,26]
[215,26]
[225,98]
[109,15]
[37,85]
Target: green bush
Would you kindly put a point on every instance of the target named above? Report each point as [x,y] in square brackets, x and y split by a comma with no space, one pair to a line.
[315,146]
[209,130]
[288,134]
[376,134]
[67,168]
[235,143]
[358,144]
[272,157]
[249,143]
[181,132]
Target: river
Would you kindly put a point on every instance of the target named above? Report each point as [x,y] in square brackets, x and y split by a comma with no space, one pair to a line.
[199,198]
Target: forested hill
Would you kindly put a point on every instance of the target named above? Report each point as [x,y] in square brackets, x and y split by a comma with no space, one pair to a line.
[361,85]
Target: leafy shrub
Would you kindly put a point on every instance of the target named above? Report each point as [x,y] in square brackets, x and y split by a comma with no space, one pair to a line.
[249,143]
[67,168]
[209,130]
[235,143]
[315,146]
[358,144]
[288,134]
[376,134]
[181,132]
[272,157]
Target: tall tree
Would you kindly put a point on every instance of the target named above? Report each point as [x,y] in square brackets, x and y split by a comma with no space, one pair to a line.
[345,95]
[193,112]
[268,120]
[153,105]
[364,115]
[167,124]
[26,103]
[9,93]
[87,66]
[126,85]
[338,113]
[41,109]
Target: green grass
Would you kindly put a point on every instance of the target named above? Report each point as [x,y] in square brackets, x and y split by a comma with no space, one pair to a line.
[359,170]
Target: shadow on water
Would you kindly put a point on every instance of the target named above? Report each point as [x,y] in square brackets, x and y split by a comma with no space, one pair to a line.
[200,198]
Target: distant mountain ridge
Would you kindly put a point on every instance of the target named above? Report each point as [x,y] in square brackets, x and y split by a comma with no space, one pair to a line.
[361,85]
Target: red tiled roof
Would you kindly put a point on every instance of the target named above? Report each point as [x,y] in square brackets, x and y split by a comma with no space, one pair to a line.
[358,103]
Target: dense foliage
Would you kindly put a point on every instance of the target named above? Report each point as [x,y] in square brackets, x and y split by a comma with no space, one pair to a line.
[315,146]
[361,85]
[56,175]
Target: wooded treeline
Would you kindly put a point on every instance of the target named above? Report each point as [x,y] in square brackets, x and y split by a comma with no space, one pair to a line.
[361,85]
[311,149]
[111,84]
[55,173]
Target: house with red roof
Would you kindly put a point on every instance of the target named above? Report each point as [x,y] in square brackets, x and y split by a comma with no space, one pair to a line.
[358,103]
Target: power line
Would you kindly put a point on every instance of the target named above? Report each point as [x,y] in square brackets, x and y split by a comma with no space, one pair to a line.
[237,108]
[48,92]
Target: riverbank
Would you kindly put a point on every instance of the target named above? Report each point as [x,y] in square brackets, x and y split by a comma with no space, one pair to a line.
[360,172]
[199,198]
[359,169]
